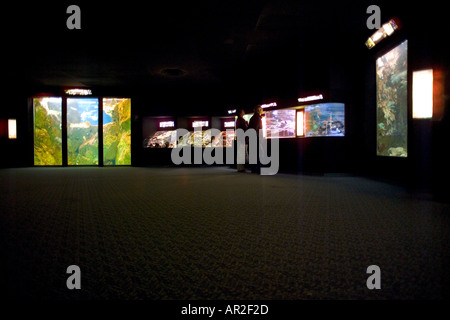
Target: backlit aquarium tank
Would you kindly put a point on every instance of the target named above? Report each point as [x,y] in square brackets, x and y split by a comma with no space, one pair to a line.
[325,120]
[47,113]
[161,139]
[82,131]
[200,138]
[280,123]
[224,139]
[392,109]
[116,131]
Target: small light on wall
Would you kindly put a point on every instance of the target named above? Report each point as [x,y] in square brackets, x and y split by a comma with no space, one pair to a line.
[12,129]
[300,119]
[423,94]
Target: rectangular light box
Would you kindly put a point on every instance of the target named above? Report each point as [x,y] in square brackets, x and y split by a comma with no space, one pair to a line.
[300,119]
[423,94]
[12,129]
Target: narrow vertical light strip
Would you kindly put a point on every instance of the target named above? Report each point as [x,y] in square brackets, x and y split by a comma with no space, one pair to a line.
[423,94]
[12,129]
[264,126]
[300,119]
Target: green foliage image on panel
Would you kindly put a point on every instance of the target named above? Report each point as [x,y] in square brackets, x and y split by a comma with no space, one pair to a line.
[47,131]
[392,110]
[82,131]
[116,131]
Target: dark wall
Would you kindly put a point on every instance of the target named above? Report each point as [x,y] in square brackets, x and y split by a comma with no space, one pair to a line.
[425,168]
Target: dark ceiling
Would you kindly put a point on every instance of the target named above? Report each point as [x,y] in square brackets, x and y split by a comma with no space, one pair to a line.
[226,44]
[126,43]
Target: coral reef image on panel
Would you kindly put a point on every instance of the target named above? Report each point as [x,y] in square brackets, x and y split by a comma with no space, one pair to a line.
[47,131]
[116,131]
[280,123]
[200,138]
[82,131]
[392,122]
[161,139]
[325,119]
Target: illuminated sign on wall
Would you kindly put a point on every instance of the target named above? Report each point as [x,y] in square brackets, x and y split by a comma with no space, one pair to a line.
[228,124]
[311,98]
[12,129]
[268,105]
[167,124]
[423,94]
[78,92]
[199,124]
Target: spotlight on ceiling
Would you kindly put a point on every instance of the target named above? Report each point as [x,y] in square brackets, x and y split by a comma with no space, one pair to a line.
[386,30]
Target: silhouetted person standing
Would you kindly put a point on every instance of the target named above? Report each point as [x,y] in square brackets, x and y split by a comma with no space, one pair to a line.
[256,123]
[241,123]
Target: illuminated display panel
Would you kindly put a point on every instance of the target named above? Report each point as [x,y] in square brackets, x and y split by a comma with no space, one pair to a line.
[185,140]
[82,131]
[280,123]
[196,138]
[392,111]
[324,120]
[423,94]
[47,112]
[161,139]
[116,131]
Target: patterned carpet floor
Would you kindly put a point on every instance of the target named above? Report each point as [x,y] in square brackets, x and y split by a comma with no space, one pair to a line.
[212,233]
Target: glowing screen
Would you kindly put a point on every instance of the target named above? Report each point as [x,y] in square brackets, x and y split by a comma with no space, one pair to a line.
[47,131]
[116,131]
[161,139]
[280,123]
[392,111]
[82,131]
[324,119]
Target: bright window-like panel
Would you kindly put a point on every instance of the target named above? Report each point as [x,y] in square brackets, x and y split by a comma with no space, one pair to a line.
[423,94]
[300,120]
[47,131]
[116,131]
[325,120]
[280,123]
[12,129]
[82,131]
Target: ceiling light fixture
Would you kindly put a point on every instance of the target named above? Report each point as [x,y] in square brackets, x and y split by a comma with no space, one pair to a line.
[386,30]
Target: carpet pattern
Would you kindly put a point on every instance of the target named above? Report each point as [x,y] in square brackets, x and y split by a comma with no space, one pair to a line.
[211,233]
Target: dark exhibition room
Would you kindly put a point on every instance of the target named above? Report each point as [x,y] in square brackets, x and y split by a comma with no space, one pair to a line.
[213,151]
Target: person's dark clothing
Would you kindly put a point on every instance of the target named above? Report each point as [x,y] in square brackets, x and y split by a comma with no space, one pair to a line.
[241,124]
[255,122]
